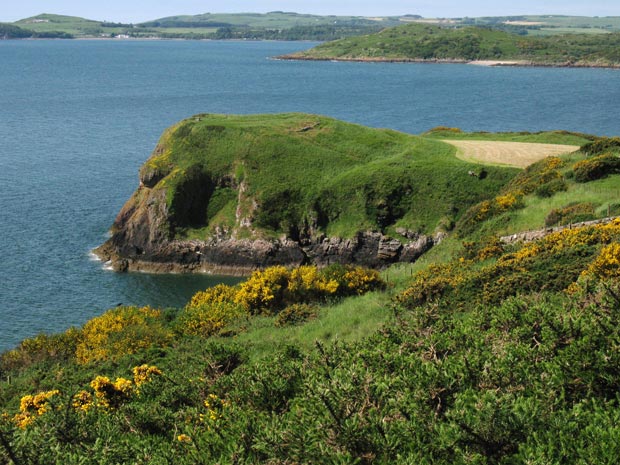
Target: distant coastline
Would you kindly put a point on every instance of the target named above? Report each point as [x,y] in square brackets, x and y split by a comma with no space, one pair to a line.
[488,63]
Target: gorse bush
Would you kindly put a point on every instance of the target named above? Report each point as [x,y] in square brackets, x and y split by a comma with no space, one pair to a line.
[33,406]
[263,292]
[601,145]
[121,331]
[551,263]
[60,346]
[353,280]
[208,319]
[216,294]
[596,168]
[308,284]
[571,214]
[607,264]
[270,290]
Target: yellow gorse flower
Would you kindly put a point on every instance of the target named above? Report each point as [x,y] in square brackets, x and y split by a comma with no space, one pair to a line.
[215,408]
[607,264]
[145,373]
[82,401]
[31,407]
[111,395]
[120,331]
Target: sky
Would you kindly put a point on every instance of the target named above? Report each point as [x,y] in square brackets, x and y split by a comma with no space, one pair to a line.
[135,11]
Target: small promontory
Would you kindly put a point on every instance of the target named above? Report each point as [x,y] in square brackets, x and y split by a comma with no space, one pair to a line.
[479,45]
[230,194]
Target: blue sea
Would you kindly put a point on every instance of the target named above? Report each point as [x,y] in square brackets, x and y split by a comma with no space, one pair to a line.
[78,118]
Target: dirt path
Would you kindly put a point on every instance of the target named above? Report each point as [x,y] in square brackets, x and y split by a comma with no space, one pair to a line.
[519,154]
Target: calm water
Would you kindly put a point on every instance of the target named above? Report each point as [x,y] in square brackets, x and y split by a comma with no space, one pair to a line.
[78,118]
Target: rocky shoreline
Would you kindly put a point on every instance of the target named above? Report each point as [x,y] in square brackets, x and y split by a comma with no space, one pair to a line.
[236,257]
[491,63]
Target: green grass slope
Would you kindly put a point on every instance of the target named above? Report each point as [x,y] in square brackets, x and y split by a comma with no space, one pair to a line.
[47,23]
[557,191]
[295,172]
[427,42]
[481,352]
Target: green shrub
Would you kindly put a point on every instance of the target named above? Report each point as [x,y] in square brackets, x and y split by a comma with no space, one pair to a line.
[295,314]
[122,331]
[601,145]
[550,188]
[574,213]
[596,168]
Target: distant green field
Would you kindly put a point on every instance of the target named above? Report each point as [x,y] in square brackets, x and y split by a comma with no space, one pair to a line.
[545,31]
[610,23]
[544,137]
[70,24]
[275,19]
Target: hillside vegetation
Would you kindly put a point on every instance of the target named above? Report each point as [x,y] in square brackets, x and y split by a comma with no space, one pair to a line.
[423,42]
[10,31]
[296,173]
[481,352]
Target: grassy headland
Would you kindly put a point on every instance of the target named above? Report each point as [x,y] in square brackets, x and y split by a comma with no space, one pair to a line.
[423,42]
[302,172]
[480,352]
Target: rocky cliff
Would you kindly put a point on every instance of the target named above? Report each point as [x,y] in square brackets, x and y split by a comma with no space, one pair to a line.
[141,241]
[229,194]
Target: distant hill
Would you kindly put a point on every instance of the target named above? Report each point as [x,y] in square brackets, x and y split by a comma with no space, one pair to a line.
[275,25]
[424,42]
[281,25]
[274,19]
[11,31]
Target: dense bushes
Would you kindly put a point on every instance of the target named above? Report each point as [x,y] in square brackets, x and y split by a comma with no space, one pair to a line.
[601,145]
[574,213]
[552,263]
[534,379]
[596,168]
[465,372]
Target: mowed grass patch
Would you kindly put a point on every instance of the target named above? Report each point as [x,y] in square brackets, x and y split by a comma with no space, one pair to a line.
[517,154]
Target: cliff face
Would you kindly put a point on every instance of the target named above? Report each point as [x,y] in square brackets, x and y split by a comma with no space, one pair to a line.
[142,241]
[229,194]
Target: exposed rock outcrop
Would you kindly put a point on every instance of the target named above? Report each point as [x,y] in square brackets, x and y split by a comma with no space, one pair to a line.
[142,241]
